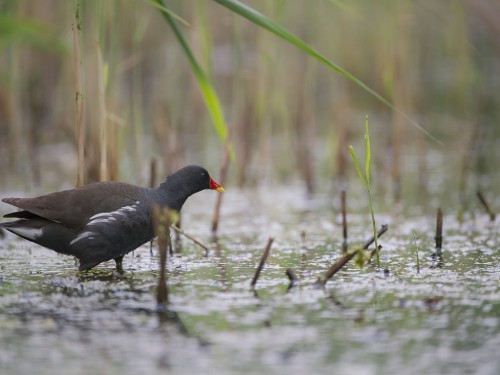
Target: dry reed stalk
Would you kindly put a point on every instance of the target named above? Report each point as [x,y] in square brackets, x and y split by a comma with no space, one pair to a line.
[161,218]
[113,154]
[262,262]
[292,276]
[196,241]
[468,159]
[397,158]
[305,133]
[178,245]
[103,132]
[344,221]
[398,128]
[244,137]
[152,173]
[439,232]
[78,99]
[421,150]
[294,280]
[486,206]
[223,177]
[341,118]
[152,184]
[13,113]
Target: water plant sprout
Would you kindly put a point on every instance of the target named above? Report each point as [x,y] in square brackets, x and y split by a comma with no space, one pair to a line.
[365,179]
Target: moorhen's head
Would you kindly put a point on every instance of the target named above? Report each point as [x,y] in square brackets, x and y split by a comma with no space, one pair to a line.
[187,181]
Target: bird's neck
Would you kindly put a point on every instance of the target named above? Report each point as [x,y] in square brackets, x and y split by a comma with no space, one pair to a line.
[172,196]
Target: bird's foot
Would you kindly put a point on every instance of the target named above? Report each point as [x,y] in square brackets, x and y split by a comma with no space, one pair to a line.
[119,265]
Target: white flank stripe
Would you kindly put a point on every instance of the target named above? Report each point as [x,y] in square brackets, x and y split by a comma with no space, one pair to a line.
[81,236]
[96,216]
[128,208]
[103,218]
[106,217]
[107,220]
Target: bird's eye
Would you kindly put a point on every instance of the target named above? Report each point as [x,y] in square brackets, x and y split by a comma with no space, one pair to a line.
[202,174]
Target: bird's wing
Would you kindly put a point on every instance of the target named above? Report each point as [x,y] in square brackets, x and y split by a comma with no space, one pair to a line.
[73,208]
[108,235]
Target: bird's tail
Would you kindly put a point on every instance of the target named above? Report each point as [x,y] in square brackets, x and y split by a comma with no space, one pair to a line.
[42,232]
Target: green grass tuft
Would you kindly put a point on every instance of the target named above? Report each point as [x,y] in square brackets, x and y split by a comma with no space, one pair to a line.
[365,179]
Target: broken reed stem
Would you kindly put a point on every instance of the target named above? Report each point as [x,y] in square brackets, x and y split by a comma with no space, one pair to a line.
[152,184]
[263,259]
[374,253]
[222,180]
[161,217]
[344,221]
[341,262]
[178,225]
[196,241]
[291,276]
[485,204]
[439,231]
[78,99]
[416,250]
[294,280]
[152,173]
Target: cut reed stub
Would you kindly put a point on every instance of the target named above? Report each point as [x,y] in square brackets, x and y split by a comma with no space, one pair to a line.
[153,168]
[374,252]
[292,276]
[486,206]
[439,233]
[223,177]
[344,222]
[262,262]
[80,130]
[161,219]
[190,237]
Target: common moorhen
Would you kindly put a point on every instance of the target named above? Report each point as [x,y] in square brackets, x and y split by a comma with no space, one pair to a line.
[104,220]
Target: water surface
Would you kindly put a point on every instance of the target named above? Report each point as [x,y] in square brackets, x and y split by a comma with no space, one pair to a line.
[443,318]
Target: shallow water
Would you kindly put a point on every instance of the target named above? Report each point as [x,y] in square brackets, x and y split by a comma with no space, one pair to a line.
[443,319]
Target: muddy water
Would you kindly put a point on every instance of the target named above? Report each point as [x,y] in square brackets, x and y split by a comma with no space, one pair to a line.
[442,319]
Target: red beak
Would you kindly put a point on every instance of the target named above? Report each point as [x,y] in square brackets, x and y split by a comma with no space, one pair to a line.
[215,185]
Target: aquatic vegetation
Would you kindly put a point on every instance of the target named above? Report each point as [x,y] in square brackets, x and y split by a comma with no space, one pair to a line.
[365,179]
[215,323]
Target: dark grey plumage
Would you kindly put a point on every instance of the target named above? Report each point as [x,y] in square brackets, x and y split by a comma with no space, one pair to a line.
[104,220]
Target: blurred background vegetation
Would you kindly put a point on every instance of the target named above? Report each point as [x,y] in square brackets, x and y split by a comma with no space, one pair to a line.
[291,118]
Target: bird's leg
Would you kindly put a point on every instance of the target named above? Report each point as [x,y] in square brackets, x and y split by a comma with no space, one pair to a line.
[119,266]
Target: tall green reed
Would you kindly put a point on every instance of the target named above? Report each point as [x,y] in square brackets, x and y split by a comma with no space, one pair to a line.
[206,87]
[365,179]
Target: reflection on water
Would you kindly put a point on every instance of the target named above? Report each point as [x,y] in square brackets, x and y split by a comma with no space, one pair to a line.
[54,320]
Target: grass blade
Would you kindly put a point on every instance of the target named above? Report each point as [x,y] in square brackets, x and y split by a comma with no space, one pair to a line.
[207,90]
[356,164]
[164,9]
[263,21]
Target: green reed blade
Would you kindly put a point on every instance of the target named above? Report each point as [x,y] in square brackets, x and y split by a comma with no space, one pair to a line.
[164,9]
[356,164]
[207,90]
[261,20]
